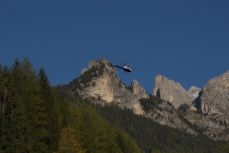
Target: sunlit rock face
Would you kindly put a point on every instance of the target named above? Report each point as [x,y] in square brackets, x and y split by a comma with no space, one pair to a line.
[213,104]
[170,91]
[207,108]
[194,91]
[192,111]
[215,95]
[108,87]
[138,90]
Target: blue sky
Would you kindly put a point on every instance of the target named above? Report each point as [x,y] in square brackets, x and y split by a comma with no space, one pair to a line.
[186,41]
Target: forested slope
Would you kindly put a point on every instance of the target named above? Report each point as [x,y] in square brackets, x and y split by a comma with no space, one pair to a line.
[153,137]
[34,118]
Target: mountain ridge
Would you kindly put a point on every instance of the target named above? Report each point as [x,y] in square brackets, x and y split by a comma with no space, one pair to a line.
[181,109]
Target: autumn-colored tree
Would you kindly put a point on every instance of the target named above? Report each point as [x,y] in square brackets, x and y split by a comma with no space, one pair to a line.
[68,143]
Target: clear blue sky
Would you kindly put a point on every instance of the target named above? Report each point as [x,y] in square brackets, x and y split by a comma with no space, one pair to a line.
[186,41]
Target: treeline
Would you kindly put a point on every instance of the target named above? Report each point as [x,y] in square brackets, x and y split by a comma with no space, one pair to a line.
[152,137]
[33,118]
[30,113]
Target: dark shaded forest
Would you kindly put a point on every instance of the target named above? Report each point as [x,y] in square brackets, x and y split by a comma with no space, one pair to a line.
[34,117]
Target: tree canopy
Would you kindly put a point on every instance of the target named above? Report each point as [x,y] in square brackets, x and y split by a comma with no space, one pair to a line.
[34,118]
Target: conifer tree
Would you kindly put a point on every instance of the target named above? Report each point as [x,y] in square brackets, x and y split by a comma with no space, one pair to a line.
[50,103]
[14,124]
[4,79]
[126,144]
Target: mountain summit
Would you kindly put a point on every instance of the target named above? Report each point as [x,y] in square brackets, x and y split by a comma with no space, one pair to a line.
[104,85]
[194,111]
[173,92]
[215,95]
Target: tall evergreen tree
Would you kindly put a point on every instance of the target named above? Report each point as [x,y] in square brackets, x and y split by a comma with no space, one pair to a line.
[50,102]
[4,87]
[13,136]
[35,108]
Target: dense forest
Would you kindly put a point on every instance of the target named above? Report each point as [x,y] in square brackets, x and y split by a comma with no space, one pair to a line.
[153,137]
[35,118]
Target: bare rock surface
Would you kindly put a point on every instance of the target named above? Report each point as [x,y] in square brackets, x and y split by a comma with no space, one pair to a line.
[194,111]
[138,90]
[194,91]
[206,109]
[215,95]
[170,91]
[109,88]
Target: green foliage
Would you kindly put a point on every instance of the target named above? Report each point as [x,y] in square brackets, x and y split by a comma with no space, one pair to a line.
[95,134]
[34,118]
[89,74]
[26,118]
[153,137]
[150,103]
[70,91]
[126,144]
[68,143]
[223,149]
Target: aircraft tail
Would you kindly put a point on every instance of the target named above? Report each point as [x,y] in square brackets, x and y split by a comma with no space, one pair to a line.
[116,66]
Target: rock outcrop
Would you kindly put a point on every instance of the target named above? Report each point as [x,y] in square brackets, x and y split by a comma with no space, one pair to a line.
[170,91]
[164,113]
[194,91]
[108,87]
[83,70]
[194,111]
[138,90]
[215,95]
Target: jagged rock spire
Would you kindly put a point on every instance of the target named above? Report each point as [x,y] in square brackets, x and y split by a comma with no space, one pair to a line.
[138,90]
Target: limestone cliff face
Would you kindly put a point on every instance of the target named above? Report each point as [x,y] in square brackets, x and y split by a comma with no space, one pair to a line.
[215,95]
[108,87]
[195,110]
[194,91]
[164,113]
[138,90]
[212,102]
[170,91]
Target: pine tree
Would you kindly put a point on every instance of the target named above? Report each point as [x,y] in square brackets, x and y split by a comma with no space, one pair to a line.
[4,79]
[92,130]
[126,144]
[50,103]
[14,121]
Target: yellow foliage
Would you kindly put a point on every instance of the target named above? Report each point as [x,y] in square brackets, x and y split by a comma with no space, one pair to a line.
[68,143]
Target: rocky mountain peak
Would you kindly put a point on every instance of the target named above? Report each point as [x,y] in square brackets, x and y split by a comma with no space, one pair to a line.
[104,85]
[138,90]
[170,91]
[105,63]
[215,95]
[101,63]
[101,84]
